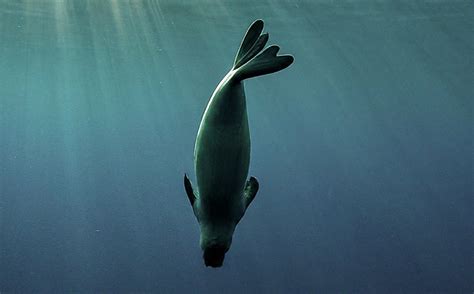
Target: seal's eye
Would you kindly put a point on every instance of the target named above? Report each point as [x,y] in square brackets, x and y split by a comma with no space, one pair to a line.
[214,256]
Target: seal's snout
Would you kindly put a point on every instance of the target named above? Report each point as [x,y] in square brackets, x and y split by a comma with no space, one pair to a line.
[214,256]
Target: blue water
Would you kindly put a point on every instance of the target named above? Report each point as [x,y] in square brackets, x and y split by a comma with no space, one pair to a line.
[363,147]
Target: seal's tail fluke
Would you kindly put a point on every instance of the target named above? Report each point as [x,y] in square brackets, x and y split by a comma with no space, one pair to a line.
[249,63]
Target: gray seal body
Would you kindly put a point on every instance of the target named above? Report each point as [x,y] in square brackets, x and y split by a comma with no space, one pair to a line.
[222,149]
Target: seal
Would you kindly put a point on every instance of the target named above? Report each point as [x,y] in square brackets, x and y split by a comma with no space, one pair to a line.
[222,149]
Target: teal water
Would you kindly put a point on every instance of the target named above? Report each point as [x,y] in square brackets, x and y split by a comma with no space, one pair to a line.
[363,147]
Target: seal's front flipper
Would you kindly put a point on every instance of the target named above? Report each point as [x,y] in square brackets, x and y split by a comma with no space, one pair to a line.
[189,190]
[250,191]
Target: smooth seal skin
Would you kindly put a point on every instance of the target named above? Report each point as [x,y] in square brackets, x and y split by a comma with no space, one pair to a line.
[222,150]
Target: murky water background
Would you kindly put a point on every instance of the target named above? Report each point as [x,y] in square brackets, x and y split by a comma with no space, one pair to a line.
[363,147]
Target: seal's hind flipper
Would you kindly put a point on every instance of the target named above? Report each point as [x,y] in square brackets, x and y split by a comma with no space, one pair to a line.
[249,43]
[189,190]
[264,63]
[250,191]
[249,63]
[256,48]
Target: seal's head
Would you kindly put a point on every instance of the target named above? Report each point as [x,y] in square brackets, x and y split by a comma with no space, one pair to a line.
[214,256]
[215,242]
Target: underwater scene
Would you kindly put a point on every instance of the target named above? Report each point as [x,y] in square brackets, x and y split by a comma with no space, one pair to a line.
[220,146]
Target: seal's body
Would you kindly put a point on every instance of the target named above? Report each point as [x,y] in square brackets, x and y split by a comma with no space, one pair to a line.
[222,149]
